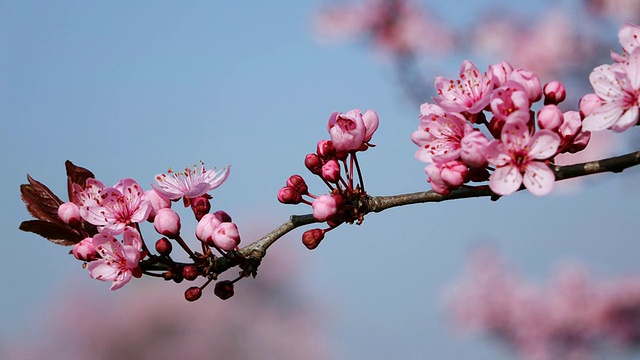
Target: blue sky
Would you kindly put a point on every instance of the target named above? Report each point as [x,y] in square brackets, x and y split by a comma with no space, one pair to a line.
[128,90]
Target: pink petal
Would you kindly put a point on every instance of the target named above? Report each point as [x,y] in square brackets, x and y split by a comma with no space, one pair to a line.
[603,118]
[538,178]
[496,154]
[99,270]
[544,144]
[505,180]
[627,120]
[515,134]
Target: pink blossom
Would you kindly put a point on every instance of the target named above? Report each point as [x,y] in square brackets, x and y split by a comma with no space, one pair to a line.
[509,98]
[85,250]
[331,171]
[472,147]
[530,83]
[324,207]
[117,207]
[439,136]
[206,227]
[167,223]
[438,185]
[157,202]
[500,73]
[629,39]
[618,87]
[519,158]
[550,117]
[454,173]
[90,195]
[471,93]
[190,183]
[226,236]
[118,262]
[69,213]
[351,130]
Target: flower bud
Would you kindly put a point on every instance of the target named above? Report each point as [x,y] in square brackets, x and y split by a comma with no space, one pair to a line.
[223,289]
[157,201]
[500,73]
[437,183]
[190,272]
[347,131]
[297,182]
[226,236]
[550,117]
[530,82]
[371,121]
[311,238]
[287,195]
[454,173]
[84,250]
[313,163]
[588,104]
[324,207]
[205,228]
[69,213]
[325,149]
[167,223]
[193,293]
[200,205]
[164,247]
[554,92]
[472,147]
[331,171]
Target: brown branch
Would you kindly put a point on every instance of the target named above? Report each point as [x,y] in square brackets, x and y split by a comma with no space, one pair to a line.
[252,254]
[380,203]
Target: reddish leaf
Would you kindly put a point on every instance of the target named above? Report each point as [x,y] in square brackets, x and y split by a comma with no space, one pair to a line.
[76,175]
[41,202]
[56,233]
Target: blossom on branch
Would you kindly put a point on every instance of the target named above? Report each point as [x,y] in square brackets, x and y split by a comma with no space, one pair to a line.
[118,262]
[190,183]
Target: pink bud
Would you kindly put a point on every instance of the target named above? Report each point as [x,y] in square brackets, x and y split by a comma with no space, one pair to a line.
[554,92]
[313,163]
[297,182]
[84,250]
[69,213]
[164,247]
[347,131]
[287,195]
[311,238]
[201,205]
[500,73]
[324,207]
[571,124]
[371,122]
[453,173]
[437,183]
[325,149]
[167,223]
[472,147]
[226,236]
[205,228]
[588,104]
[157,202]
[331,171]
[529,82]
[550,117]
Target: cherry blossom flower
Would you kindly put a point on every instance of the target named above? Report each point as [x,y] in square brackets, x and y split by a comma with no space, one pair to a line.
[618,87]
[519,158]
[117,207]
[439,135]
[118,262]
[471,93]
[190,183]
[352,130]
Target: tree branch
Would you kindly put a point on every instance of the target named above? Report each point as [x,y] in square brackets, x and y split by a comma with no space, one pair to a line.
[380,203]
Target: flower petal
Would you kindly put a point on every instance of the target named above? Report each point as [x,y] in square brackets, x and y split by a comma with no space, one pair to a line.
[544,144]
[505,180]
[538,178]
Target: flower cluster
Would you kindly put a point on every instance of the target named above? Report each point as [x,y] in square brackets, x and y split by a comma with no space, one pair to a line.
[103,225]
[513,148]
[568,319]
[334,162]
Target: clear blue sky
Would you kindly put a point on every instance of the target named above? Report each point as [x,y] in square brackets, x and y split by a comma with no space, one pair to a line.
[130,89]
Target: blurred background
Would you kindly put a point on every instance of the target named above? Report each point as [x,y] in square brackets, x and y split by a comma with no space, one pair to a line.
[129,90]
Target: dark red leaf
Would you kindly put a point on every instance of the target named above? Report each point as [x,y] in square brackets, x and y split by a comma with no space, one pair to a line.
[41,202]
[56,233]
[76,175]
